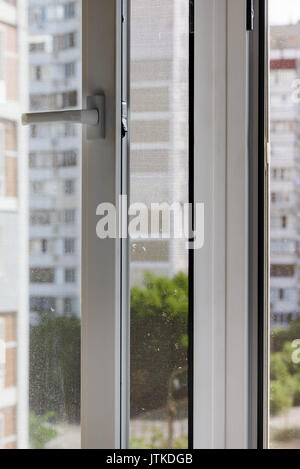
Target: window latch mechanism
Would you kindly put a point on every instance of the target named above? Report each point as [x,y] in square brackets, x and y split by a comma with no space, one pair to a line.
[250,15]
[93,117]
[124,119]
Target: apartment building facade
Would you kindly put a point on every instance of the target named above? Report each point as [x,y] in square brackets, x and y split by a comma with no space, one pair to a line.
[13,299]
[285,174]
[159,84]
[55,158]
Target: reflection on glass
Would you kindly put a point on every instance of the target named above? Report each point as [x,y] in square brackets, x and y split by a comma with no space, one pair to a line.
[159,89]
[285,225]
[40,216]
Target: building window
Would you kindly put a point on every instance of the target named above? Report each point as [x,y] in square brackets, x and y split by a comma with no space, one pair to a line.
[42,275]
[37,15]
[69,187]
[70,275]
[54,12]
[284,222]
[69,246]
[282,270]
[41,217]
[281,294]
[69,217]
[69,306]
[66,41]
[281,174]
[70,99]
[69,10]
[44,246]
[41,102]
[37,47]
[40,73]
[40,246]
[41,160]
[70,70]
[37,187]
[65,159]
[42,304]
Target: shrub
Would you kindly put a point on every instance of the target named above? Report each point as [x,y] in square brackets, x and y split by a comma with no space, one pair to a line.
[40,431]
[55,368]
[159,321]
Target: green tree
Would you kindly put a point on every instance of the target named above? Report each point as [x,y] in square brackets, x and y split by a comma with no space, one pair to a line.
[285,374]
[159,339]
[40,430]
[55,368]
[283,382]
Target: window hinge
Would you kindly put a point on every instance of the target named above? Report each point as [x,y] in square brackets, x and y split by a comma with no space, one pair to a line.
[124,119]
[250,15]
[192,17]
[268,154]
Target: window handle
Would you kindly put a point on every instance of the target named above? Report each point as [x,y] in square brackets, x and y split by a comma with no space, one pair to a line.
[93,117]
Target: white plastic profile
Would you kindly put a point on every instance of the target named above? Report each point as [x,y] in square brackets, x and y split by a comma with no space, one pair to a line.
[84,116]
[93,117]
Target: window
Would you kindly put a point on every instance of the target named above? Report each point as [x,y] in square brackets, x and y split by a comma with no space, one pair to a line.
[66,41]
[65,159]
[69,216]
[40,73]
[69,10]
[37,15]
[40,160]
[69,246]
[56,131]
[69,187]
[69,306]
[70,275]
[70,70]
[37,47]
[41,218]
[53,100]
[54,12]
[284,222]
[282,270]
[43,305]
[53,159]
[39,275]
[44,246]
[159,272]
[40,246]
[40,208]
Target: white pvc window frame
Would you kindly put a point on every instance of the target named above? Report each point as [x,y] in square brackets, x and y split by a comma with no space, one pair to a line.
[101,285]
[221,267]
[221,397]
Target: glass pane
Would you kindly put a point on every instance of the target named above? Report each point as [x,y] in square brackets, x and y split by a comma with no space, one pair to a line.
[159,162]
[285,224]
[40,220]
